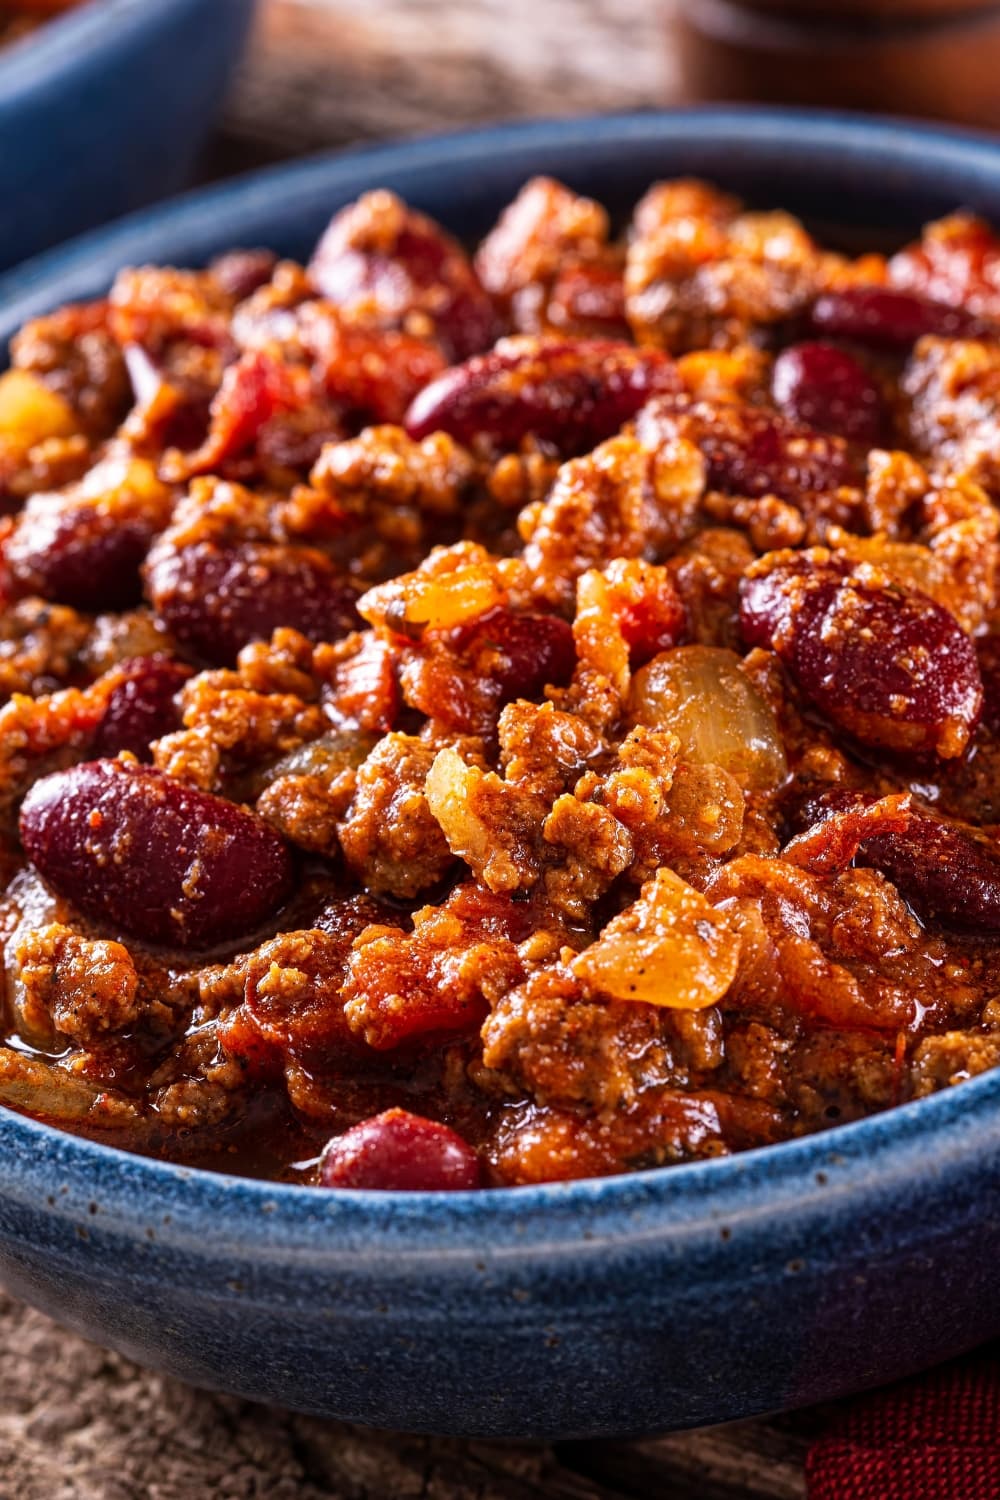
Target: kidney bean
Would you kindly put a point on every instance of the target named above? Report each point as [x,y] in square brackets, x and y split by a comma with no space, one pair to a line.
[240,272]
[463,677]
[215,601]
[140,852]
[891,668]
[402,1152]
[520,652]
[571,393]
[988,651]
[767,593]
[826,388]
[387,263]
[944,872]
[142,708]
[884,317]
[749,451]
[77,554]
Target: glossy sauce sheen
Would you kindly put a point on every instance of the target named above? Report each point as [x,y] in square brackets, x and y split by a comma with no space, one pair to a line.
[471,720]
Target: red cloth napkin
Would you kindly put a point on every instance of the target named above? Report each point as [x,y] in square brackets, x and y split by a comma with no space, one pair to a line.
[936,1437]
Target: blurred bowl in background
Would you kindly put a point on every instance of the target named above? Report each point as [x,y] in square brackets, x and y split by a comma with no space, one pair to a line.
[934,59]
[103,110]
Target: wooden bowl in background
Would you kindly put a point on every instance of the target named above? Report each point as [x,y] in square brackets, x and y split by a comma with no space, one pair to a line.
[935,58]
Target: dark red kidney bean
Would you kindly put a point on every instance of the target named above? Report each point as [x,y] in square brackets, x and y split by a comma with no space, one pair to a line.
[988,651]
[767,595]
[78,554]
[215,601]
[945,875]
[942,870]
[825,387]
[891,668]
[749,451]
[345,916]
[885,318]
[571,393]
[138,851]
[522,653]
[387,263]
[240,272]
[142,708]
[401,1152]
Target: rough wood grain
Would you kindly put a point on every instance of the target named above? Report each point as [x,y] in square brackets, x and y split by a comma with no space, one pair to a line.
[333,72]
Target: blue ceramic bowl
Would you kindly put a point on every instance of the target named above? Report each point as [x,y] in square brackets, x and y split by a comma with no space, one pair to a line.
[104,109]
[665,1299]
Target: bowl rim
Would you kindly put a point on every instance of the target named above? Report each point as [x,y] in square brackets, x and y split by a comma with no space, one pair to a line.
[833,135]
[875,1160]
[69,39]
[867,1156]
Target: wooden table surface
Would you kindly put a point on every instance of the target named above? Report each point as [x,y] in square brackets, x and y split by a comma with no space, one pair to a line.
[80,1424]
[327,73]
[77,1423]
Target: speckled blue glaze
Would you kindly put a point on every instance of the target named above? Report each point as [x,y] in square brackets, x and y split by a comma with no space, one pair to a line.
[666,1299]
[103,110]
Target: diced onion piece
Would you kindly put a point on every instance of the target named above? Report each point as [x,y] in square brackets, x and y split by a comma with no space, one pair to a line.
[30,413]
[455,598]
[671,947]
[704,696]
[449,789]
[44,1089]
[439,601]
